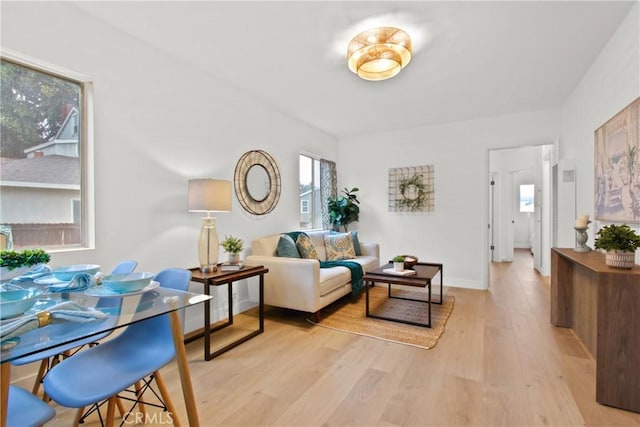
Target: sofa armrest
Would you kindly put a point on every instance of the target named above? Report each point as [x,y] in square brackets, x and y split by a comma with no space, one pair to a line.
[291,282]
[370,249]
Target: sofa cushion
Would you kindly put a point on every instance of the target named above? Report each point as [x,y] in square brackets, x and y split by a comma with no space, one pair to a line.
[368,263]
[339,246]
[305,247]
[333,278]
[317,238]
[287,247]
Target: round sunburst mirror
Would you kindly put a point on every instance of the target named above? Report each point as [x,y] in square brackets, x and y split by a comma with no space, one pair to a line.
[257,182]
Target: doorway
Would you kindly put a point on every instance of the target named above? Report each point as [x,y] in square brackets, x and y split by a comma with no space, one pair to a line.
[520,205]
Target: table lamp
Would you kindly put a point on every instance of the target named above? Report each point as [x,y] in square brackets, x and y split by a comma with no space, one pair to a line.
[209,195]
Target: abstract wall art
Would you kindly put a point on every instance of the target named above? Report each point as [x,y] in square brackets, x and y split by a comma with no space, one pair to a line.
[617,167]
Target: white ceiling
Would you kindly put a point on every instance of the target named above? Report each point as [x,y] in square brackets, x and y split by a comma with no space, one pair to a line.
[472,59]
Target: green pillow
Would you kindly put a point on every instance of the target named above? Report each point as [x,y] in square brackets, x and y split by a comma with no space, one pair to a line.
[287,247]
[356,243]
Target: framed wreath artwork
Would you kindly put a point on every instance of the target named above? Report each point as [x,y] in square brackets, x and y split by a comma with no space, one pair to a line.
[411,189]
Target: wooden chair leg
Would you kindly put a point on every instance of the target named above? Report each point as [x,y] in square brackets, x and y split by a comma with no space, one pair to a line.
[167,398]
[121,409]
[141,405]
[79,413]
[43,368]
[111,409]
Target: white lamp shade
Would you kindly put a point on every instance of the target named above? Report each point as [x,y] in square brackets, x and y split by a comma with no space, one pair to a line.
[209,195]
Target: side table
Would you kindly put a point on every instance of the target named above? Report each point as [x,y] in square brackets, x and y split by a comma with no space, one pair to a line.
[219,278]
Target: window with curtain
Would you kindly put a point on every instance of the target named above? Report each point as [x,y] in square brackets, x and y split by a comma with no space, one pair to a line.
[43,144]
[317,184]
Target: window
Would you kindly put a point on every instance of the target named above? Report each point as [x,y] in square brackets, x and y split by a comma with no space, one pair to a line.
[310,193]
[44,140]
[527,198]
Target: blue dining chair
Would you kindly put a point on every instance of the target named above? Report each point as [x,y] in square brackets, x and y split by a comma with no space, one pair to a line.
[132,357]
[26,410]
[53,356]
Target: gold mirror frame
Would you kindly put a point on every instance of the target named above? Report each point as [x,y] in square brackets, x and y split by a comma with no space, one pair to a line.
[244,165]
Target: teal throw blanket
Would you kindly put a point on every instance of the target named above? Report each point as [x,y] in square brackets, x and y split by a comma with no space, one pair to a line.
[354,267]
[356,272]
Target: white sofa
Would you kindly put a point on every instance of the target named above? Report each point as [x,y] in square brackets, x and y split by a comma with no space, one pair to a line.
[300,284]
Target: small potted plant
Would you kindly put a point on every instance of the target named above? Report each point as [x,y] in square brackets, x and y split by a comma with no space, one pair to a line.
[233,246]
[398,263]
[16,263]
[620,243]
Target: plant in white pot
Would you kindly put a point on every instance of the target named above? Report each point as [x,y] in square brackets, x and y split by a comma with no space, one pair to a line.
[16,263]
[620,243]
[398,263]
[233,246]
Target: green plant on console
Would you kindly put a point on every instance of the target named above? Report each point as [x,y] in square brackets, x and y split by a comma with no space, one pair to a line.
[25,258]
[617,238]
[398,258]
[344,210]
[232,245]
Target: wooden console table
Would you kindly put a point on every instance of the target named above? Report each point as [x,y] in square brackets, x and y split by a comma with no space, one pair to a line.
[602,305]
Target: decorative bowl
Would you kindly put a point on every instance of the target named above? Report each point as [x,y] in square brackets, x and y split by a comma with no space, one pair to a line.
[15,302]
[410,261]
[66,273]
[127,282]
[6,274]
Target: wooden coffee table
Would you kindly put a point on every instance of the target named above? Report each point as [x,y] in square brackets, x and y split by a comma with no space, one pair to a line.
[425,272]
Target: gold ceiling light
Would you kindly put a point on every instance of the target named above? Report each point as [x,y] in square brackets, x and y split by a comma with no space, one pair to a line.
[379,53]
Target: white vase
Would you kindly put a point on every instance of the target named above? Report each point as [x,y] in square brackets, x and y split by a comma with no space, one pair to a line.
[234,258]
[620,259]
[398,266]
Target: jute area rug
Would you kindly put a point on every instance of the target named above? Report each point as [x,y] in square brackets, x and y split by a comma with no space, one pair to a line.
[348,315]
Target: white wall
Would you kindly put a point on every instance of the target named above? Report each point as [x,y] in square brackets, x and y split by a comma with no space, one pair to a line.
[610,84]
[456,232]
[157,124]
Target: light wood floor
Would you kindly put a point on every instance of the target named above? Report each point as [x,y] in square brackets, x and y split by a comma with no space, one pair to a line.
[499,363]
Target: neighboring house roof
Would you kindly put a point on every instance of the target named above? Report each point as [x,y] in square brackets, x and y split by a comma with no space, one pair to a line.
[52,170]
[67,134]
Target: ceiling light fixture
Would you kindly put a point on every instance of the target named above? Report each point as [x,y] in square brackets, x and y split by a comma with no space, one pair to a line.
[379,53]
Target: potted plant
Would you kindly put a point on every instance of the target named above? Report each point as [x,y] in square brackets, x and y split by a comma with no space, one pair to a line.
[15,263]
[398,263]
[620,243]
[233,246]
[344,210]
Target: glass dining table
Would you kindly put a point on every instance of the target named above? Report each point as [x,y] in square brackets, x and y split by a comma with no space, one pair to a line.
[121,310]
